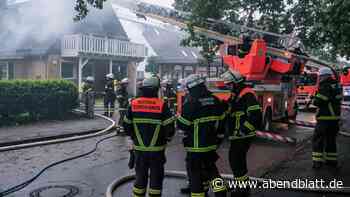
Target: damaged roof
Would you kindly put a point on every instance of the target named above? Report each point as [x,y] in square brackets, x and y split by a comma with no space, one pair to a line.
[26,29]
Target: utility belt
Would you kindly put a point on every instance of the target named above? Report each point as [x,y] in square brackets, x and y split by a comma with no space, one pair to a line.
[201,149]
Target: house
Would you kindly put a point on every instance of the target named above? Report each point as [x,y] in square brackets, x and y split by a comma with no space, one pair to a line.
[48,44]
[164,46]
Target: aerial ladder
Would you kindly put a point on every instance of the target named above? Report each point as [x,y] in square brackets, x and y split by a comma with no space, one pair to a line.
[272,71]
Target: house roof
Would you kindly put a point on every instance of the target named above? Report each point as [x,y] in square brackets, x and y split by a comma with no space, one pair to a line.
[163,40]
[167,44]
[27,29]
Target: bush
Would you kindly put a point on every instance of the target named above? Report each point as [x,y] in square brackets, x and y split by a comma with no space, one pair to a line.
[39,99]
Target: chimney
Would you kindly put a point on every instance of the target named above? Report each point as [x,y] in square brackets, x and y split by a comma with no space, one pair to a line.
[3,4]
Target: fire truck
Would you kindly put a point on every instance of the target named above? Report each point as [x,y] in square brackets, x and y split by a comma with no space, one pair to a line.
[271,72]
[345,81]
[307,85]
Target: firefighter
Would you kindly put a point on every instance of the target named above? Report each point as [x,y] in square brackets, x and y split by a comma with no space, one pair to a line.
[110,96]
[169,94]
[202,122]
[122,97]
[89,97]
[328,101]
[150,125]
[243,117]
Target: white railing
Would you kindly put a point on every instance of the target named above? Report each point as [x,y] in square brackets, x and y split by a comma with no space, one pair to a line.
[73,45]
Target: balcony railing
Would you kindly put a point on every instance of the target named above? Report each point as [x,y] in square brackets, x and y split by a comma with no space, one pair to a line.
[75,45]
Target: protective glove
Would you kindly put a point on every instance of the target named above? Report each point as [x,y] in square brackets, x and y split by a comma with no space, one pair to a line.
[130,144]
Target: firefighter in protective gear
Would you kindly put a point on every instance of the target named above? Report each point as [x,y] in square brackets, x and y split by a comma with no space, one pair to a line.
[151,126]
[89,96]
[328,101]
[202,122]
[122,98]
[110,96]
[244,118]
[169,94]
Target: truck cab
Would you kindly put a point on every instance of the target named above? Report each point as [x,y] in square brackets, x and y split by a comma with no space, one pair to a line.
[307,86]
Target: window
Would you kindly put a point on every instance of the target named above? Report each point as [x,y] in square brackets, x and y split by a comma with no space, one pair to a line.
[3,71]
[11,70]
[184,53]
[194,54]
[67,70]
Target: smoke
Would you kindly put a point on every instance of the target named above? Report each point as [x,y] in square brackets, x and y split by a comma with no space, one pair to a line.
[35,22]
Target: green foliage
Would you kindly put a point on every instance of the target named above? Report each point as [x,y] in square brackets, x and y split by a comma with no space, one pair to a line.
[82,7]
[48,99]
[322,25]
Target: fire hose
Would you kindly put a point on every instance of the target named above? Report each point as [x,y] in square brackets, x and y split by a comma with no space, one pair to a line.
[29,181]
[112,187]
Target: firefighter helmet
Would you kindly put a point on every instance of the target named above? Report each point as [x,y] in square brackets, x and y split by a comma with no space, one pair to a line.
[150,82]
[194,80]
[110,76]
[90,79]
[124,81]
[325,73]
[232,77]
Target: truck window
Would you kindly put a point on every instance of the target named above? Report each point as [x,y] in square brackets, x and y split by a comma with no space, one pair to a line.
[308,80]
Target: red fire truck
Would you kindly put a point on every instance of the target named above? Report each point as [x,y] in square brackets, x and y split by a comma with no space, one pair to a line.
[345,81]
[272,72]
[307,84]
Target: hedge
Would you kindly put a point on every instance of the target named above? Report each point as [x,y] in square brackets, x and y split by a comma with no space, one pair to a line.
[44,98]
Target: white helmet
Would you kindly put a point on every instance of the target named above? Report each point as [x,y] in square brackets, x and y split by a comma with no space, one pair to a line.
[194,80]
[124,81]
[90,79]
[110,76]
[232,77]
[325,71]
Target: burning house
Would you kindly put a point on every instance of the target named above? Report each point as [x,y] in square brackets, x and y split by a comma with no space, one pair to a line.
[46,43]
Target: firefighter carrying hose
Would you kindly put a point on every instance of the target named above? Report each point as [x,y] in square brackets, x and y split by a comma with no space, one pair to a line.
[150,125]
[89,96]
[122,98]
[328,101]
[243,118]
[110,96]
[202,122]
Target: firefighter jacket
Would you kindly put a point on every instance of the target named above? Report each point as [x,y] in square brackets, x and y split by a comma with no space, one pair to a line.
[243,115]
[202,121]
[110,89]
[328,100]
[169,92]
[122,97]
[87,87]
[149,123]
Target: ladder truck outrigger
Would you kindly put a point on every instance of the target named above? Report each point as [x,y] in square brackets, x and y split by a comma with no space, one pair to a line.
[272,72]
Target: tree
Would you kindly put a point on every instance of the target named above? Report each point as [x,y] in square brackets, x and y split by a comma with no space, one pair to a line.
[82,7]
[322,25]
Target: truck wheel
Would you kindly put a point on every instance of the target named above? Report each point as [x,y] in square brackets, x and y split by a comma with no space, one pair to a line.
[267,126]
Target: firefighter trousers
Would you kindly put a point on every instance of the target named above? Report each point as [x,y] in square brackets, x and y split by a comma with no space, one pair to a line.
[238,162]
[324,145]
[109,103]
[202,172]
[149,165]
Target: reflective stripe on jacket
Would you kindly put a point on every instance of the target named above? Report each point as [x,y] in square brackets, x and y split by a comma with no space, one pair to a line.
[150,124]
[244,115]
